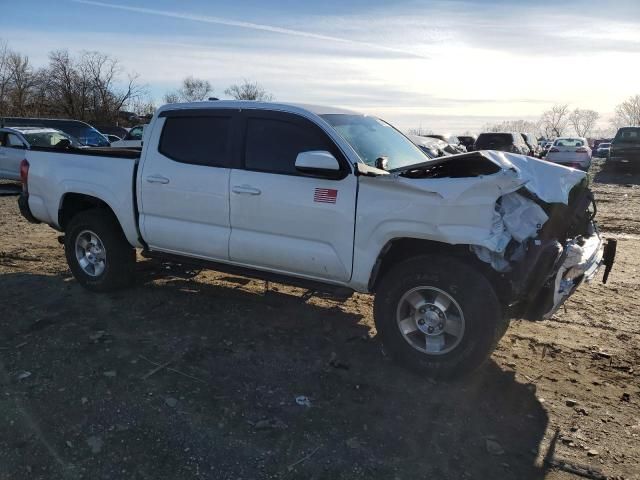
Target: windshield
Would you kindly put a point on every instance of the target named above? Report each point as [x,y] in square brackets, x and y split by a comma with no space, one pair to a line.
[87,135]
[48,139]
[373,138]
[604,145]
[628,135]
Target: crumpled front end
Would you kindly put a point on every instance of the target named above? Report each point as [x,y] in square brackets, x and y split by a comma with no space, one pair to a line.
[545,248]
[530,221]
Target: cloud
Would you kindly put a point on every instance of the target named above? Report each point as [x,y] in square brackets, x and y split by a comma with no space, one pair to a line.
[251,26]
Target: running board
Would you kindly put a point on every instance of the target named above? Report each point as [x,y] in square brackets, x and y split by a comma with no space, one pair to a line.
[336,291]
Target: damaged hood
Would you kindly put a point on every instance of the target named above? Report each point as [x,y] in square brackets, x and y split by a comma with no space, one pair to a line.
[550,182]
[495,171]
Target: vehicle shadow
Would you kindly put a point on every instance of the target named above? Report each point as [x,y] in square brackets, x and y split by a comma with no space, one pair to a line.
[615,175]
[216,375]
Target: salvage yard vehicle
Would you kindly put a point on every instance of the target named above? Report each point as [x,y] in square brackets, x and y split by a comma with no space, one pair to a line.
[571,152]
[432,147]
[625,148]
[602,151]
[503,141]
[534,149]
[81,131]
[13,142]
[330,199]
[133,138]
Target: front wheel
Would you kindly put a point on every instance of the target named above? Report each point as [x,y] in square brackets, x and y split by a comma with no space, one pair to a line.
[438,316]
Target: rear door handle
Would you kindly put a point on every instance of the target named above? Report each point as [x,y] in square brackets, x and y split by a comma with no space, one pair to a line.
[245,190]
[157,179]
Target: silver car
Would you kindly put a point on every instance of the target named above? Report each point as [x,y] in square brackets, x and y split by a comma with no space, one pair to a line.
[571,152]
[15,140]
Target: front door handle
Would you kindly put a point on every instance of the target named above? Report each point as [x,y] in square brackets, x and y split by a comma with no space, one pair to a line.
[245,190]
[157,179]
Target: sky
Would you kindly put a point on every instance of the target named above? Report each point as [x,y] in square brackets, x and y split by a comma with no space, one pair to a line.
[445,66]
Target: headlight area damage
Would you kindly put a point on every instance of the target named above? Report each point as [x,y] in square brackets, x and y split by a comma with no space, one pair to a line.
[541,239]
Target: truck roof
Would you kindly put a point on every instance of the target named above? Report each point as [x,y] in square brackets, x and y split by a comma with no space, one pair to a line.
[251,104]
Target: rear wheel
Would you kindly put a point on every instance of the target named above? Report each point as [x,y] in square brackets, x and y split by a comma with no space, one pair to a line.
[438,316]
[97,251]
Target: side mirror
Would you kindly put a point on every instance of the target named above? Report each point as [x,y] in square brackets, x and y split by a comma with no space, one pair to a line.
[318,163]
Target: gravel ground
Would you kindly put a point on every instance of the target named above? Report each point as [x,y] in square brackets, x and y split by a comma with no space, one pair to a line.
[204,375]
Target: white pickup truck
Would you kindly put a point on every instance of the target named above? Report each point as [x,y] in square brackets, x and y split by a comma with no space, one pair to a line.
[452,247]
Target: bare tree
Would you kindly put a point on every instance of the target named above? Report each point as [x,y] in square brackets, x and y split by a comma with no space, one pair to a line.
[522,126]
[248,90]
[21,82]
[4,76]
[627,113]
[192,90]
[419,131]
[583,121]
[555,121]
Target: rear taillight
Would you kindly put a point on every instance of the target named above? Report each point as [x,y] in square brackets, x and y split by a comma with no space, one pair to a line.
[581,150]
[24,174]
[554,149]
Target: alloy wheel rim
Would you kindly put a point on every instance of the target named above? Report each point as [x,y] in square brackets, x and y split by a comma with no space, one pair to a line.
[430,320]
[90,253]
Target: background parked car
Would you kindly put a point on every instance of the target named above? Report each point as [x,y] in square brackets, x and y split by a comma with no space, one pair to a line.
[81,131]
[503,141]
[433,147]
[454,144]
[467,141]
[625,148]
[120,132]
[133,138]
[602,150]
[13,142]
[112,138]
[571,152]
[532,143]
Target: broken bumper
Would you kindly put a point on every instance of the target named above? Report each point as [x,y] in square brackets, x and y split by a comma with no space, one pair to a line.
[582,259]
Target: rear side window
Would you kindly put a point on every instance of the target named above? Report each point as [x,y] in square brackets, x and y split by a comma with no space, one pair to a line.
[272,145]
[488,141]
[197,140]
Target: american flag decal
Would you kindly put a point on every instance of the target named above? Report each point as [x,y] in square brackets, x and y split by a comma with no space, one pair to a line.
[325,195]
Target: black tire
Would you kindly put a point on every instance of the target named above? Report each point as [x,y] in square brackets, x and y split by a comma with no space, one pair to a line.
[484,320]
[120,257]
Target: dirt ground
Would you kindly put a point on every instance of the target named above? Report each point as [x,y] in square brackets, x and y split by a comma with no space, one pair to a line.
[198,375]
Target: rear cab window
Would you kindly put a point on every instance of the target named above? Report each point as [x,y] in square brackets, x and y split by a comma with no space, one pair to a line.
[197,140]
[569,142]
[628,135]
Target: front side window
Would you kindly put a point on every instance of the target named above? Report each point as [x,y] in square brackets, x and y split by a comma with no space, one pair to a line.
[372,138]
[273,145]
[197,140]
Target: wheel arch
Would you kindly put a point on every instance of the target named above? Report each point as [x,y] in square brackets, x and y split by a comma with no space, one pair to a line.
[73,203]
[400,249]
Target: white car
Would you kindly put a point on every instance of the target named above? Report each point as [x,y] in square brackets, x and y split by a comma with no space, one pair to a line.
[15,140]
[571,152]
[133,139]
[452,247]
